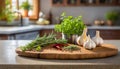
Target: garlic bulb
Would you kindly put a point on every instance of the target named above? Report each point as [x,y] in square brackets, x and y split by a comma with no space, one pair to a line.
[97,39]
[83,38]
[90,44]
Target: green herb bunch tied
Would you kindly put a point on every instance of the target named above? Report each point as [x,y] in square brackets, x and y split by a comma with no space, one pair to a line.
[70,25]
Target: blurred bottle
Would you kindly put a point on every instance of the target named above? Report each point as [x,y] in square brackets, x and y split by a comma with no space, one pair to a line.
[42,19]
[90,1]
[50,17]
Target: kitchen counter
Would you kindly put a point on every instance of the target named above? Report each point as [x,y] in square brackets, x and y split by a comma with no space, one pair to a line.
[12,30]
[22,33]
[105,27]
[10,60]
[30,32]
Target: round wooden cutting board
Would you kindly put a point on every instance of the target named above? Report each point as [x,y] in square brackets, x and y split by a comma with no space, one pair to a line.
[106,50]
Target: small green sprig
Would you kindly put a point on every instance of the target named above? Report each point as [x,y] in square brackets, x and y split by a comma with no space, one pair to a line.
[71,48]
[38,48]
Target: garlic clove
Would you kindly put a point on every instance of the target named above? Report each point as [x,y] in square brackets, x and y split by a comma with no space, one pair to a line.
[89,44]
[83,38]
[97,39]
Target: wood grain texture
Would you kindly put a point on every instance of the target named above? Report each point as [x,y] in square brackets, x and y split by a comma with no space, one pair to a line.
[36,10]
[2,5]
[79,3]
[106,50]
[3,37]
[106,34]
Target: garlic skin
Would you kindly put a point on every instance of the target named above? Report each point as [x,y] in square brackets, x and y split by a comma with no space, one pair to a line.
[89,44]
[97,39]
[83,38]
[77,40]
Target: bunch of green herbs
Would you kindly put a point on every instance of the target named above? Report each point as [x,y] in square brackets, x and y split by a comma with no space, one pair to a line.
[41,42]
[70,25]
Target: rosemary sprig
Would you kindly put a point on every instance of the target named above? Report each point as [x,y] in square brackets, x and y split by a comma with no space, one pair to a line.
[70,48]
[42,42]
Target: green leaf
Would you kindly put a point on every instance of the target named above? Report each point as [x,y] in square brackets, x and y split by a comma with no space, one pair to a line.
[38,48]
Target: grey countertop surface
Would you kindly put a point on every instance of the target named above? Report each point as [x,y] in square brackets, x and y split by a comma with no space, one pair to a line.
[9,57]
[13,30]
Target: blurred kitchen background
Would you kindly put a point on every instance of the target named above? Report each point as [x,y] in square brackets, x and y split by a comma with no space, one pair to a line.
[89,12]
[46,13]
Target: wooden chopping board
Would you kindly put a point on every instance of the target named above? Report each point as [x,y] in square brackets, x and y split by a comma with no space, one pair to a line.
[106,50]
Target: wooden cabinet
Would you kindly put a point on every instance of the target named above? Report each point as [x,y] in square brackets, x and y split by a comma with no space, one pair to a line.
[106,2]
[71,2]
[85,2]
[3,37]
[88,2]
[58,2]
[110,34]
[2,5]
[106,33]
[117,2]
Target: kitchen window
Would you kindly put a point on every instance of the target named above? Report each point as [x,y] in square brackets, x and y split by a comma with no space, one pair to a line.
[34,13]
